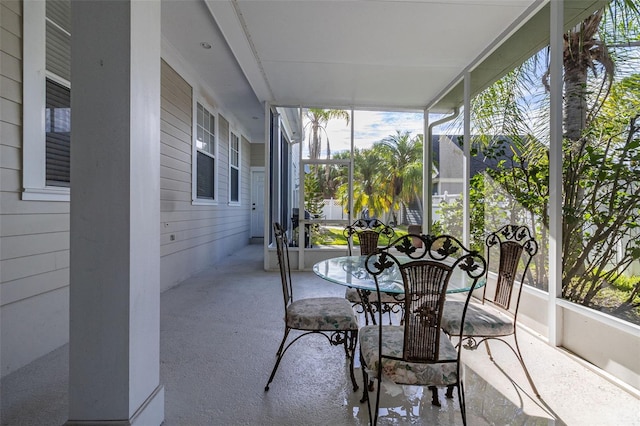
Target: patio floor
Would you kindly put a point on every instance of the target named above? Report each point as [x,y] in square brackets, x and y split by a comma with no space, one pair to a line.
[219,334]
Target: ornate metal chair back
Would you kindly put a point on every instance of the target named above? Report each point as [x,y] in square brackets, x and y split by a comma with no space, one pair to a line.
[368,232]
[516,247]
[425,284]
[368,241]
[282,247]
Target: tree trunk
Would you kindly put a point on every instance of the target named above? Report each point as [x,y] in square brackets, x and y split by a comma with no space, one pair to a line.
[577,60]
[313,149]
[575,105]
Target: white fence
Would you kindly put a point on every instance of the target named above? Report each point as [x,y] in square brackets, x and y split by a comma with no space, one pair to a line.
[332,210]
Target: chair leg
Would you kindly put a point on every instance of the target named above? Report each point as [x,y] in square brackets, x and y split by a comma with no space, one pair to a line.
[462,402]
[518,355]
[353,339]
[366,307]
[365,378]
[524,367]
[449,393]
[356,308]
[434,396]
[486,345]
[365,392]
[347,343]
[377,406]
[278,358]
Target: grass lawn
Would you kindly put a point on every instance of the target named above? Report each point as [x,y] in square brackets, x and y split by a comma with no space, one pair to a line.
[333,236]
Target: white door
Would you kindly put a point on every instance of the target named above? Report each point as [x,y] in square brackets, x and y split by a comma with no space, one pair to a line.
[257,204]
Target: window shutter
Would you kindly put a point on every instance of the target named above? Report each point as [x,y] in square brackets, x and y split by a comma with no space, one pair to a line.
[58,38]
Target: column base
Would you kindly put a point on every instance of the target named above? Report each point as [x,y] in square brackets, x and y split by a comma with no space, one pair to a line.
[150,413]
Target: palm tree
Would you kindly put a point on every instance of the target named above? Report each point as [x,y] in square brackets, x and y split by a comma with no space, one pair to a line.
[589,67]
[585,46]
[368,180]
[402,164]
[318,120]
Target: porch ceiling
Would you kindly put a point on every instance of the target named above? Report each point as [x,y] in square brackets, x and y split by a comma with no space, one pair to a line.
[383,54]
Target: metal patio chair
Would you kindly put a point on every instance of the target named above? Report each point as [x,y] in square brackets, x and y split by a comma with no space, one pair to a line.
[496,318]
[418,352]
[331,317]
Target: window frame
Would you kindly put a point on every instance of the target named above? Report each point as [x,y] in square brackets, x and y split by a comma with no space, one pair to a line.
[34,75]
[200,100]
[238,167]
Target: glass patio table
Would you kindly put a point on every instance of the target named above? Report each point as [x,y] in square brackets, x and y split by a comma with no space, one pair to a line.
[350,271]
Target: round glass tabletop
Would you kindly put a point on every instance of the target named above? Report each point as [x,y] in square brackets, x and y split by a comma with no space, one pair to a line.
[350,271]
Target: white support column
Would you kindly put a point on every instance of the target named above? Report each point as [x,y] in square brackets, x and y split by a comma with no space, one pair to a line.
[352,167]
[555,172]
[466,171]
[268,200]
[301,197]
[427,173]
[114,350]
[276,171]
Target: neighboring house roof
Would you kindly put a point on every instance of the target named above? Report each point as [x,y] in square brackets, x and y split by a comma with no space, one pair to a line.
[479,161]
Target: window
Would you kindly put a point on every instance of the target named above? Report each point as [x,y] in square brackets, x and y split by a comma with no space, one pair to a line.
[58,92]
[234,168]
[206,155]
[58,134]
[46,100]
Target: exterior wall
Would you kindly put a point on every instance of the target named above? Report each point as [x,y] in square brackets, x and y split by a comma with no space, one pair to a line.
[194,236]
[34,246]
[450,167]
[257,155]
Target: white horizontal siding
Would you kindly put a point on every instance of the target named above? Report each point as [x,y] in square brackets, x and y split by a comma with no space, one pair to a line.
[257,155]
[37,284]
[11,179]
[23,268]
[11,65]
[11,29]
[10,134]
[19,246]
[174,164]
[173,152]
[172,127]
[11,111]
[16,225]
[174,184]
[194,236]
[34,250]
[10,157]
[10,89]
[12,204]
[38,325]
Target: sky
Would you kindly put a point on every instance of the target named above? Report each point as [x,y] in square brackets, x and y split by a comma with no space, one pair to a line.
[371,127]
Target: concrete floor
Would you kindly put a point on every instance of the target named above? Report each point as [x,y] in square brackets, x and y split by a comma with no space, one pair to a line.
[219,334]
